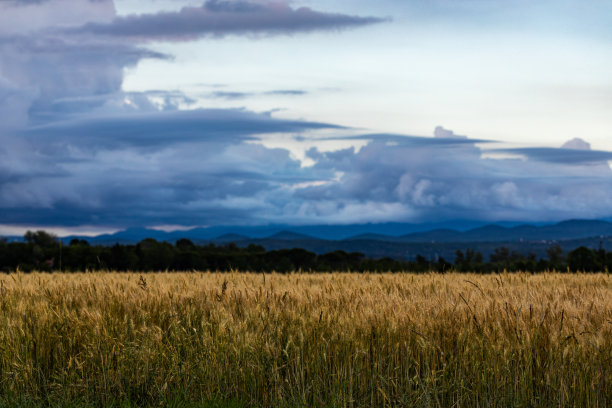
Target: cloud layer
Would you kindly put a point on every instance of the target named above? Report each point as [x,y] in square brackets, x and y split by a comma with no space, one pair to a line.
[78,150]
[432,181]
[218,18]
[206,167]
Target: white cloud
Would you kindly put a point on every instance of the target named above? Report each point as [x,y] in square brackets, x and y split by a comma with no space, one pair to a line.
[442,133]
[576,144]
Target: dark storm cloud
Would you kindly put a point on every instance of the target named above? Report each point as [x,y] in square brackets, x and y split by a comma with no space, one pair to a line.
[231,95]
[68,108]
[167,128]
[136,168]
[78,150]
[428,180]
[407,140]
[290,92]
[22,2]
[242,95]
[567,156]
[35,2]
[214,172]
[43,71]
[220,18]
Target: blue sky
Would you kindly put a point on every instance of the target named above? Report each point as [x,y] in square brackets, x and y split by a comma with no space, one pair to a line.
[172,114]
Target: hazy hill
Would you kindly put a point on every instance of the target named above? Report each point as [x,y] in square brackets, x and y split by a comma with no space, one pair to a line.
[388,240]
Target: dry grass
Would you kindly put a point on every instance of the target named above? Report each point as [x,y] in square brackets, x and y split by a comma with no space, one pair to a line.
[104,339]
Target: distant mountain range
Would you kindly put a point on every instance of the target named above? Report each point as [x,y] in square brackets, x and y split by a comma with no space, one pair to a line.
[567,230]
[326,232]
[396,240]
[391,232]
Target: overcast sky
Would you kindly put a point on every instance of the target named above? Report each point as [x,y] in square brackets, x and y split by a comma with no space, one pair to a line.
[180,113]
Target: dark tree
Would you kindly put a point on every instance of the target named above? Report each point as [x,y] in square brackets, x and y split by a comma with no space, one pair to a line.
[555,255]
[583,259]
[41,238]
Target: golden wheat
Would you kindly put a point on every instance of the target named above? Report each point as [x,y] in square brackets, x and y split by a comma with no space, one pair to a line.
[111,339]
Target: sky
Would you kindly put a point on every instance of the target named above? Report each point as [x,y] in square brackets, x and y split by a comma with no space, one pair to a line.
[173,114]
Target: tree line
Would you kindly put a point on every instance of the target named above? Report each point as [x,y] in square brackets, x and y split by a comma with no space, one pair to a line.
[42,251]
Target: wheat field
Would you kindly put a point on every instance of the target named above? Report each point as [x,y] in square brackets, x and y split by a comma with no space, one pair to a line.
[297,340]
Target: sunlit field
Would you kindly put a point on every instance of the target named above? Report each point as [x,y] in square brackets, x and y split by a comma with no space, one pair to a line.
[333,340]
